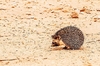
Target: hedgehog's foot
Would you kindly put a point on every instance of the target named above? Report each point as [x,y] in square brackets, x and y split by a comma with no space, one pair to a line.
[66,48]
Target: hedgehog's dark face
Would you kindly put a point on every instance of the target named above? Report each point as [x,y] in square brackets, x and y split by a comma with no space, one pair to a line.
[56,40]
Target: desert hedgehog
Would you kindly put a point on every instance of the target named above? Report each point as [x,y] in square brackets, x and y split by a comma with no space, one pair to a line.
[71,36]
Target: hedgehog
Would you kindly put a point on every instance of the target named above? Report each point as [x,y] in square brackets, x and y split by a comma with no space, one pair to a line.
[72,38]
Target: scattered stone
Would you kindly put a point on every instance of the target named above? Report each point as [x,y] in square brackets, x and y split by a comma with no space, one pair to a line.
[97,19]
[58,8]
[98,9]
[65,11]
[35,18]
[74,15]
[85,10]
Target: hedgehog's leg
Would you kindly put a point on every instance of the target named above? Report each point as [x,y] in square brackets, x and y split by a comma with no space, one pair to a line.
[65,47]
[68,48]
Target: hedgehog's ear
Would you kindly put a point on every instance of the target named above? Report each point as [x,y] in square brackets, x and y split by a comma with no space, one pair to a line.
[55,36]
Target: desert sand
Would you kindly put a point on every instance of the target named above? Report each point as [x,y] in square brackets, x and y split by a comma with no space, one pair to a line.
[26,27]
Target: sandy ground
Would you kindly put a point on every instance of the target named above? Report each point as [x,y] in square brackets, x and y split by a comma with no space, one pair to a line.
[26,27]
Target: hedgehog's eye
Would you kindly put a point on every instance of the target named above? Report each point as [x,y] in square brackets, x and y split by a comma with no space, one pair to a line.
[55,37]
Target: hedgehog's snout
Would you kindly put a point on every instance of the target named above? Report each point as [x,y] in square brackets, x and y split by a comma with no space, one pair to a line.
[54,42]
